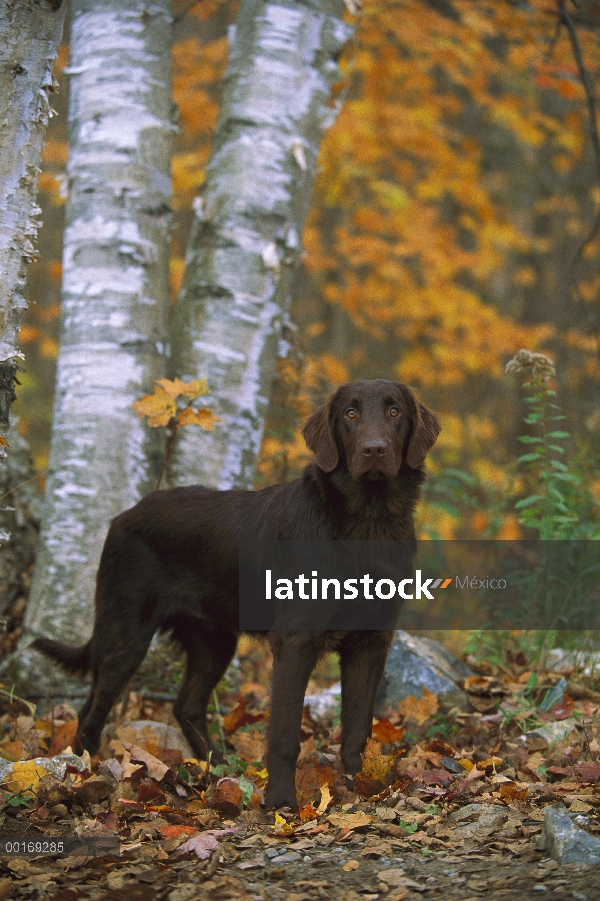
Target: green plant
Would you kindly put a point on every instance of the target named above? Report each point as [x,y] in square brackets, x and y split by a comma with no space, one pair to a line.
[552,508]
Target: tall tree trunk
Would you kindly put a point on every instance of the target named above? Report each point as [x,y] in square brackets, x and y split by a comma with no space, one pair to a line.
[30,35]
[115,298]
[245,241]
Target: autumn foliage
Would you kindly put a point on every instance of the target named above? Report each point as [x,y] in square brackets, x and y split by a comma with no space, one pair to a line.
[451,224]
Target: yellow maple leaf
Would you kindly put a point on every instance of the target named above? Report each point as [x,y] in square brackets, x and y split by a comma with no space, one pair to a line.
[419,710]
[204,418]
[175,387]
[158,407]
[196,388]
[375,764]
[172,387]
[25,776]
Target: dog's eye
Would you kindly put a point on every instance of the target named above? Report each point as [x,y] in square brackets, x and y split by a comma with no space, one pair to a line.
[350,413]
[394,411]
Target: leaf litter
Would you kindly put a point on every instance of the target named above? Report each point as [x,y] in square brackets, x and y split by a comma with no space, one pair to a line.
[448,804]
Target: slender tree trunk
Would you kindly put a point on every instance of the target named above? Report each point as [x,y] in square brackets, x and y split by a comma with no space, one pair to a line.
[115,298]
[245,241]
[30,35]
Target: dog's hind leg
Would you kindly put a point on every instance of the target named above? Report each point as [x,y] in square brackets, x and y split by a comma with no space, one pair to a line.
[112,671]
[209,652]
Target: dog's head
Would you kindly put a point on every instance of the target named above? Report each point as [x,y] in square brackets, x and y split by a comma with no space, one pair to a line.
[371,427]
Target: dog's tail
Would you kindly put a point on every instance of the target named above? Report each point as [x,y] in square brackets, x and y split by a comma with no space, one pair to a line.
[73,660]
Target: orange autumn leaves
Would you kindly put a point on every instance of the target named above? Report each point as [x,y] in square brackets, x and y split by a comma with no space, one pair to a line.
[162,407]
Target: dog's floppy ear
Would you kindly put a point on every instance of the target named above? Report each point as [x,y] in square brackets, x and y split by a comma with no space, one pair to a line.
[318,434]
[424,431]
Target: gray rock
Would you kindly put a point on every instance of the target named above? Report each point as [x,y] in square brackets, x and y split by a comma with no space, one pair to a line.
[564,841]
[415,663]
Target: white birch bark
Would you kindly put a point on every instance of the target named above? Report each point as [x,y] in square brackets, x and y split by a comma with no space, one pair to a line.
[246,235]
[114,302]
[30,35]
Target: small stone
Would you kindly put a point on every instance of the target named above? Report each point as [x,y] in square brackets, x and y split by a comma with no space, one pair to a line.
[564,841]
[289,857]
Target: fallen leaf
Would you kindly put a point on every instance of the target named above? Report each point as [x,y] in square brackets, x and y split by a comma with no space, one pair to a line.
[282,825]
[325,800]
[375,764]
[308,813]
[586,772]
[129,768]
[419,710]
[25,775]
[228,790]
[251,746]
[202,845]
[59,734]
[562,709]
[440,747]
[350,820]
[578,806]
[431,777]
[251,864]
[156,768]
[239,716]
[510,792]
[479,685]
[385,731]
[175,831]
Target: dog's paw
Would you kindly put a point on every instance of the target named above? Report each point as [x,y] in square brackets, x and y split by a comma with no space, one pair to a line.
[276,799]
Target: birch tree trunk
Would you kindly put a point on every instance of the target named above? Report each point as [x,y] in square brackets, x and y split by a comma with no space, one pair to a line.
[30,35]
[114,302]
[245,241]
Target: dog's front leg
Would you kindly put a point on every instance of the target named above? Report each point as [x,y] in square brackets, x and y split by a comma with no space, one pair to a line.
[362,659]
[294,657]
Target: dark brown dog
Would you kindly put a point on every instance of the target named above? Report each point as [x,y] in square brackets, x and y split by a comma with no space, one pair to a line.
[171,563]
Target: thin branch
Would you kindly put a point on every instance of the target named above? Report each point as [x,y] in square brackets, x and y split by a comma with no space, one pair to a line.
[585,80]
[26,482]
[566,20]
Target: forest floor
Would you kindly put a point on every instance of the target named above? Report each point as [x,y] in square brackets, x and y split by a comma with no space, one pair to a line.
[449,804]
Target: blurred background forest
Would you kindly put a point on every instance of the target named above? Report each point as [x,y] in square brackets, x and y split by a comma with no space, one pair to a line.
[455,219]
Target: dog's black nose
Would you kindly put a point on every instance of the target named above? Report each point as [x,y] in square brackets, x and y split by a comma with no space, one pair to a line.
[374,449]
